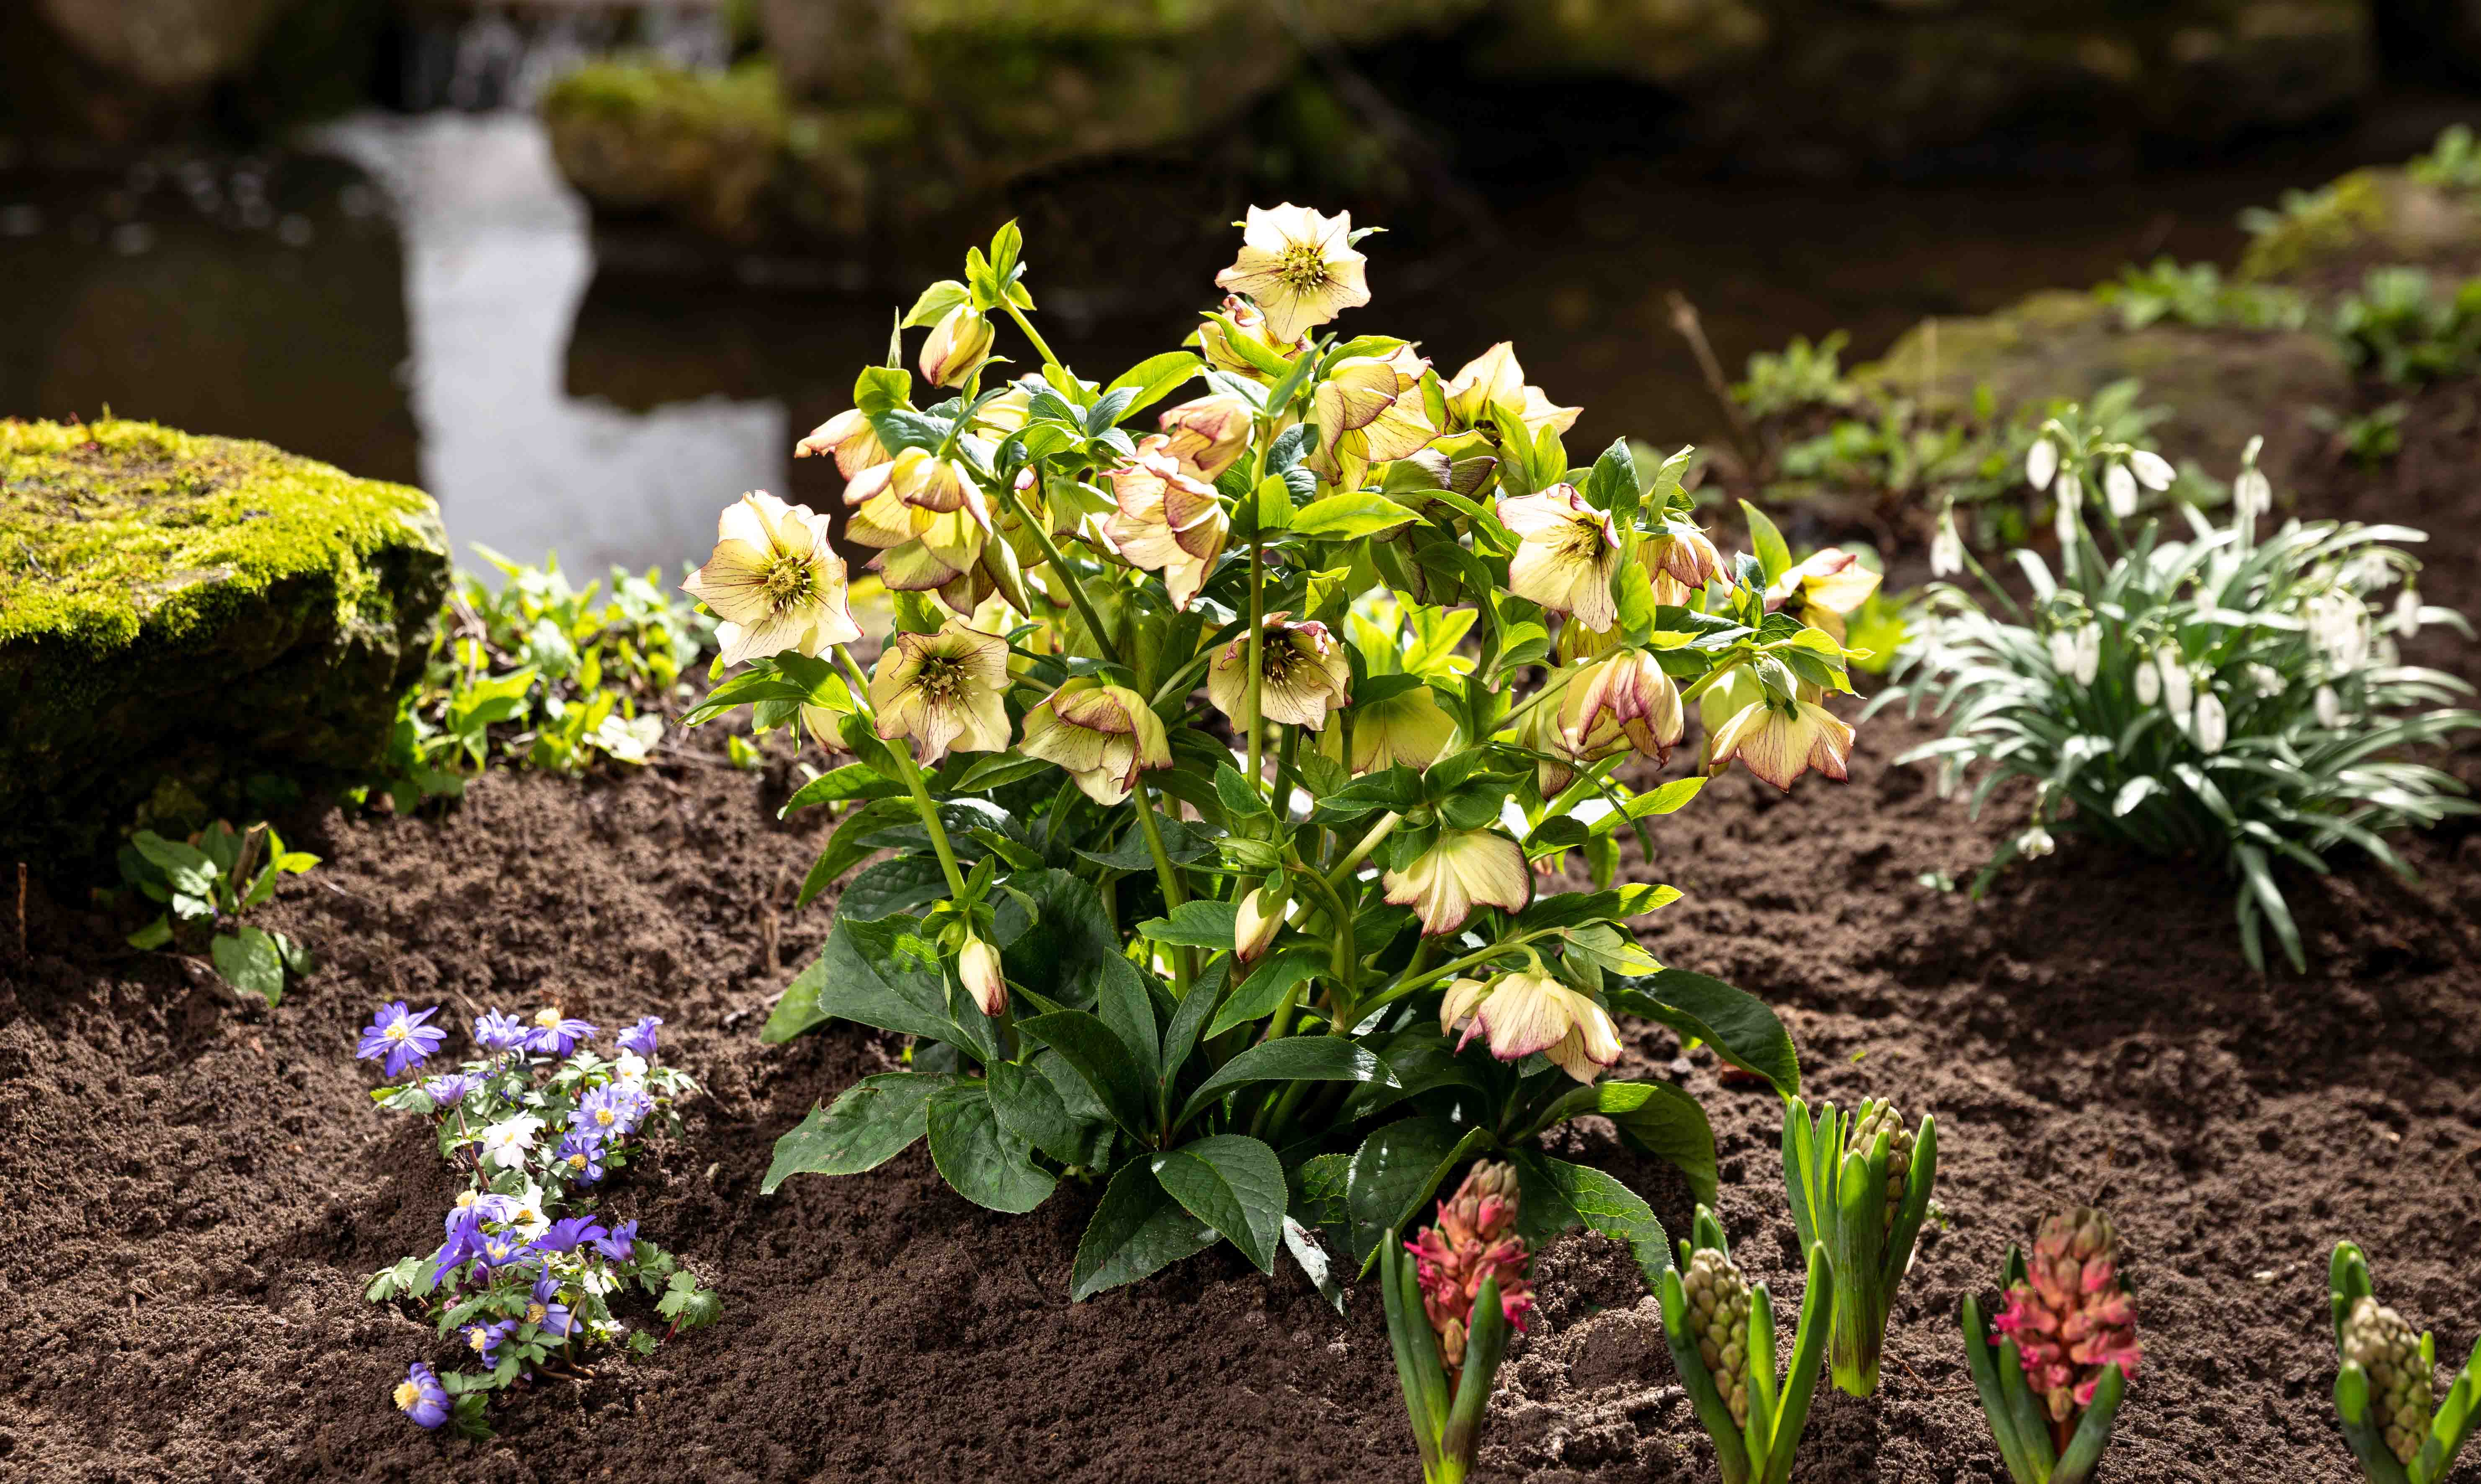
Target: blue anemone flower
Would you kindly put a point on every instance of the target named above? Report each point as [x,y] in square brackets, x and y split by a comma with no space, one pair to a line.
[568,1234]
[548,1311]
[553,1034]
[399,1034]
[640,1037]
[421,1397]
[609,1111]
[617,1242]
[581,1158]
[448,1091]
[484,1340]
[494,1032]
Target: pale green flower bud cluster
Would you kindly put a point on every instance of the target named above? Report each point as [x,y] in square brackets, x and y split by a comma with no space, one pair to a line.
[2401,1396]
[1719,1315]
[1899,1151]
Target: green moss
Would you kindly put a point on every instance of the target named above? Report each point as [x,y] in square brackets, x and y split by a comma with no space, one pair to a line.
[2312,225]
[106,525]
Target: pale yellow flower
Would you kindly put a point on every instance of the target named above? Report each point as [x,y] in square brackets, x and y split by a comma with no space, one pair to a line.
[1102,735]
[977,965]
[1006,413]
[1680,561]
[1779,740]
[1168,521]
[1821,591]
[1260,919]
[773,582]
[1619,702]
[1493,380]
[1208,432]
[944,690]
[1369,411]
[1566,555]
[941,485]
[1299,267]
[958,345]
[1304,675]
[1466,867]
[920,548]
[1410,729]
[850,436]
[1524,1013]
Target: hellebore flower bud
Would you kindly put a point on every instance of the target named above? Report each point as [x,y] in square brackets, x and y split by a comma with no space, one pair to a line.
[958,345]
[850,437]
[1104,734]
[978,964]
[1208,432]
[1261,917]
[1467,867]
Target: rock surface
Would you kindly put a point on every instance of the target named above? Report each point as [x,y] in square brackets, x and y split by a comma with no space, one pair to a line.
[187,622]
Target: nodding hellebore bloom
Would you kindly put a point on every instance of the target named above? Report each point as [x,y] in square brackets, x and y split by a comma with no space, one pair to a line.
[1218,348]
[1822,590]
[556,1035]
[1168,520]
[1620,702]
[1299,267]
[1493,380]
[640,1037]
[1369,412]
[977,965]
[1680,560]
[957,346]
[773,582]
[399,1034]
[943,691]
[851,438]
[1208,432]
[1566,553]
[1524,1013]
[1304,675]
[421,1397]
[923,545]
[1779,740]
[1466,867]
[495,1032]
[1409,728]
[1102,735]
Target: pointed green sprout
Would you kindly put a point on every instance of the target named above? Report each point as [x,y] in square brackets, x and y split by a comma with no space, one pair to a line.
[1758,1450]
[2365,1428]
[2017,1421]
[1447,1427]
[1841,1196]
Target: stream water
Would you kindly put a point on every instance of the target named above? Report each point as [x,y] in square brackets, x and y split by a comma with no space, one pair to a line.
[416,298]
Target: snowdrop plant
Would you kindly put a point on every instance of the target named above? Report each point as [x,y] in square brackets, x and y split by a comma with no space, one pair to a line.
[1226,749]
[2206,692]
[526,1278]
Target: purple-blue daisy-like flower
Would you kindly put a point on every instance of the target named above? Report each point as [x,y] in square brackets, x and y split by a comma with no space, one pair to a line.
[399,1034]
[618,1244]
[421,1397]
[502,1249]
[640,1037]
[484,1340]
[581,1158]
[447,1092]
[609,1111]
[548,1311]
[553,1034]
[568,1234]
[473,1211]
[494,1032]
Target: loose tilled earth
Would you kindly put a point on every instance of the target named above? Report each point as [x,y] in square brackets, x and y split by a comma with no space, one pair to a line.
[195,1191]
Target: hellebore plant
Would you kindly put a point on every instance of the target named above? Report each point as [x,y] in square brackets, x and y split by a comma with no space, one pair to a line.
[1860,1184]
[1222,748]
[1721,1329]
[1450,1311]
[2051,1380]
[526,1276]
[2400,1429]
[2227,696]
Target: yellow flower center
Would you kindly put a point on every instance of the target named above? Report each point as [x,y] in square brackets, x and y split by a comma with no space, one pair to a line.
[788,579]
[395,1032]
[577,1161]
[942,680]
[1583,540]
[1302,267]
[547,1017]
[535,1314]
[479,1339]
[407,1396]
[603,1116]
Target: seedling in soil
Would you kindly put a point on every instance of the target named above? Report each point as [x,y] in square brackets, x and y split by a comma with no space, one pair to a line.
[2400,1429]
[2052,1379]
[206,884]
[1859,1184]
[1721,1329]
[1453,1294]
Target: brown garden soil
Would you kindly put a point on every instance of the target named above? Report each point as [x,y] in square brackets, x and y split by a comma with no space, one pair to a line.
[196,1190]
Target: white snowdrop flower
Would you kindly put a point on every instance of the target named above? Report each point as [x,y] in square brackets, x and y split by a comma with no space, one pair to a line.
[2266,677]
[2406,621]
[2213,727]
[2035,843]
[2152,469]
[2070,488]
[2368,570]
[2119,489]
[2149,683]
[2041,463]
[2063,651]
[2252,494]
[2178,688]
[1946,548]
[2088,653]
[2330,708]
[2386,655]
[504,1143]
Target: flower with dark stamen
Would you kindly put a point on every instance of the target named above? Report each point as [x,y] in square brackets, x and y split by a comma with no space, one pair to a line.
[944,690]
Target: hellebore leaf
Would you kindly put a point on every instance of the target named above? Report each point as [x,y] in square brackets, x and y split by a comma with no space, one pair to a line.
[870,1123]
[851,845]
[1317,1188]
[250,961]
[1030,1109]
[1395,1169]
[1268,986]
[1071,933]
[1297,1059]
[1556,1195]
[1423,1059]
[1153,378]
[1136,1231]
[1349,517]
[1097,1054]
[1740,1027]
[1575,909]
[1187,843]
[977,1156]
[1203,924]
[1767,542]
[1235,1185]
[1655,1118]
[904,884]
[1181,1036]
[862,976]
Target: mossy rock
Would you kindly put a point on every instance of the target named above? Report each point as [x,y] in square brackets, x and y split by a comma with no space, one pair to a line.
[191,627]
[2223,387]
[2324,239]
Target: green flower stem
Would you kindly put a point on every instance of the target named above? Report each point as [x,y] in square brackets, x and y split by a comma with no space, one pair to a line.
[1031,333]
[1257,661]
[1585,781]
[902,752]
[1041,533]
[1184,961]
[1351,862]
[1557,683]
[1423,980]
[1284,753]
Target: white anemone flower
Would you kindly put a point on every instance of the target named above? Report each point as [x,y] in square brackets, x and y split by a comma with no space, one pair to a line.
[504,1143]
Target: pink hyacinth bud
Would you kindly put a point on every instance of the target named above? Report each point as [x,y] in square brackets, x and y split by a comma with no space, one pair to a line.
[1473,1241]
[2069,1318]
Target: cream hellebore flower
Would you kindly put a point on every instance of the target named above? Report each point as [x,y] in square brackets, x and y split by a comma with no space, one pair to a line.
[1465,869]
[1216,346]
[1006,413]
[1620,702]
[1779,740]
[943,691]
[1566,555]
[978,964]
[1524,1013]
[1409,728]
[1102,735]
[958,345]
[773,582]
[1822,590]
[1169,520]
[928,533]
[1369,411]
[1298,266]
[1304,673]
[1208,432]
[850,436]
[1494,380]
[1680,561]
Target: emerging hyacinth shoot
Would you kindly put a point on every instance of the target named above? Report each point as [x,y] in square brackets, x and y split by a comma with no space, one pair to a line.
[1226,748]
[1859,1184]
[2051,1379]
[1721,1331]
[1450,1311]
[527,1277]
[2400,1426]
[2229,695]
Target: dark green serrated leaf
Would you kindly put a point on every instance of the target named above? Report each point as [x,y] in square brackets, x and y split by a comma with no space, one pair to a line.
[1137,1231]
[1233,1184]
[870,1123]
[978,1158]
